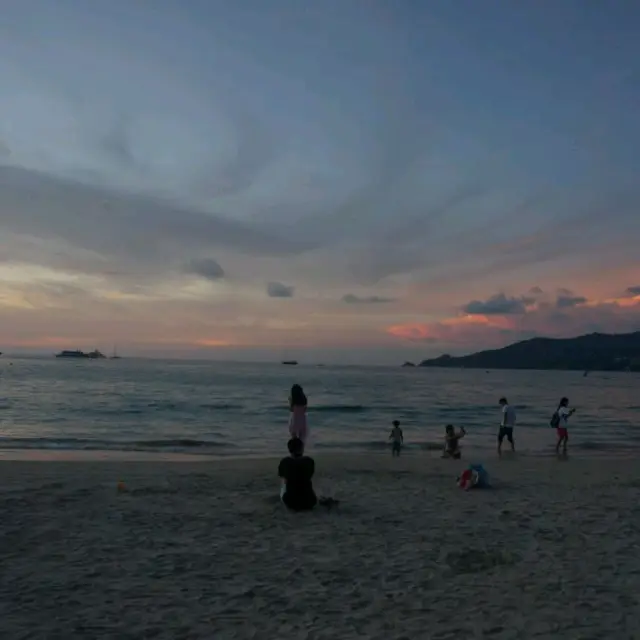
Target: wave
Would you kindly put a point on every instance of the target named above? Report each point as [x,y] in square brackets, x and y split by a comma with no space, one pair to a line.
[326,408]
[182,406]
[220,406]
[466,409]
[377,445]
[339,408]
[592,445]
[174,445]
[184,443]
[154,407]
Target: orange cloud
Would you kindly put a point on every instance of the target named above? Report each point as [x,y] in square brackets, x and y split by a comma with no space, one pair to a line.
[628,301]
[451,329]
[543,318]
[213,342]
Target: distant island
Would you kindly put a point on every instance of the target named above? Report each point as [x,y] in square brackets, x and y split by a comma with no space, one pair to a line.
[92,355]
[592,352]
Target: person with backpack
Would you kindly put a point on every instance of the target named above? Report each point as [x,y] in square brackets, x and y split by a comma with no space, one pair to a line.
[559,422]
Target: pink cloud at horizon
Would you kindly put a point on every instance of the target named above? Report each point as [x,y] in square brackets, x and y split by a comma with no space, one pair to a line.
[568,315]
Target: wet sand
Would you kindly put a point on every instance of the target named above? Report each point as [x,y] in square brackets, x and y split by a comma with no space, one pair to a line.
[205,550]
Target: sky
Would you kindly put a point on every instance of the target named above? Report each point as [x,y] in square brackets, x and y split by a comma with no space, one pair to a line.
[350,181]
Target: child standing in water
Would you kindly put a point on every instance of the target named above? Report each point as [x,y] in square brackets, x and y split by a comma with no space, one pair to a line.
[396,438]
[452,442]
[298,414]
[560,420]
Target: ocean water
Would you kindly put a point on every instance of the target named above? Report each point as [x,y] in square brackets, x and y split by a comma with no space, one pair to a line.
[229,409]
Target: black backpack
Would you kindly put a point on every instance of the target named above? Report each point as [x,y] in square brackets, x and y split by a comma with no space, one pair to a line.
[555,420]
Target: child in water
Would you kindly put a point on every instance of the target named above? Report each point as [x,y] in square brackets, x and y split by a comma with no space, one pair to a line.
[452,442]
[560,420]
[396,438]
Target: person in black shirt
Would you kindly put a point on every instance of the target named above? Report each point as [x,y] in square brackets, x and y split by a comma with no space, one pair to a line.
[296,472]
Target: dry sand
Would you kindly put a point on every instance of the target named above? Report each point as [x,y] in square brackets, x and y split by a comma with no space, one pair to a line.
[205,550]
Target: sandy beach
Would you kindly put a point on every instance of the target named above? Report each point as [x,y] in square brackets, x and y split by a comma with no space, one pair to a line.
[205,550]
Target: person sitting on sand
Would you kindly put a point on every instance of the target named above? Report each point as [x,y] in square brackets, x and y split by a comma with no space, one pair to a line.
[298,413]
[475,477]
[396,438]
[296,471]
[452,442]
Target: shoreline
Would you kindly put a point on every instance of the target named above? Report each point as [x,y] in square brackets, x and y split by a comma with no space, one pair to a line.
[487,455]
[513,470]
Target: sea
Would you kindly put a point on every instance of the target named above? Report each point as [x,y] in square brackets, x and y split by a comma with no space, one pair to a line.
[232,409]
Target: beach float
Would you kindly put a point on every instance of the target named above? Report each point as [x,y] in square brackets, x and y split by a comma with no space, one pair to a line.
[474,477]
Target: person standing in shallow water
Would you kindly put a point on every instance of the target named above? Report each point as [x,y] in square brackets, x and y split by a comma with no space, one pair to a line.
[298,414]
[397,438]
[507,424]
[561,421]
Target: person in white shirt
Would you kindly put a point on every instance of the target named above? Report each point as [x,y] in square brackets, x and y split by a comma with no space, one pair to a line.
[563,414]
[507,424]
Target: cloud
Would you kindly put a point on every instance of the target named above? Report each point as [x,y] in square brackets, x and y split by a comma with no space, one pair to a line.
[400,245]
[207,268]
[634,291]
[279,290]
[132,163]
[128,239]
[498,304]
[570,226]
[568,316]
[566,301]
[110,220]
[255,150]
[351,298]
[45,295]
[463,330]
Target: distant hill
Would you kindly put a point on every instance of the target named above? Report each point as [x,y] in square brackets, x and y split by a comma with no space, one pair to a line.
[592,352]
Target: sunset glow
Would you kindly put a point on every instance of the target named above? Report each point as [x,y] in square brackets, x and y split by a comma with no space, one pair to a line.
[187,194]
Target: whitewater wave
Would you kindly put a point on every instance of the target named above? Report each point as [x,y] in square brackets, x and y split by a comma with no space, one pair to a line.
[592,445]
[173,445]
[339,408]
[221,406]
[377,445]
[327,408]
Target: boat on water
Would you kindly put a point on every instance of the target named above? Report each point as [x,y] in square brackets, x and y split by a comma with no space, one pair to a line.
[77,354]
[290,362]
[114,355]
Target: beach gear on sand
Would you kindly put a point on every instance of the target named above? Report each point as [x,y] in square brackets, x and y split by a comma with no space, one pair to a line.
[474,477]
